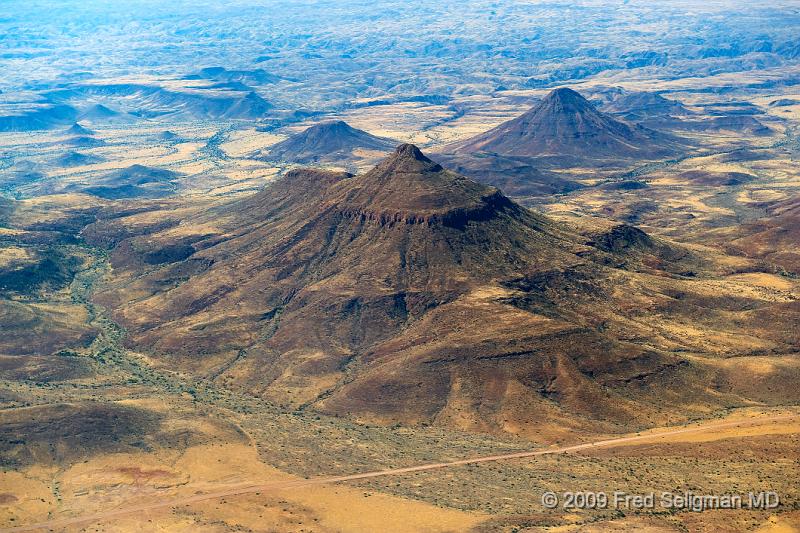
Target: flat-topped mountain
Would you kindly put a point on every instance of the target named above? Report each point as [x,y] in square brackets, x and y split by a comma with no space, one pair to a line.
[411,187]
[410,293]
[327,141]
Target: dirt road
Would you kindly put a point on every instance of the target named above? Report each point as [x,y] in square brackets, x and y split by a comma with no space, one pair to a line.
[265,487]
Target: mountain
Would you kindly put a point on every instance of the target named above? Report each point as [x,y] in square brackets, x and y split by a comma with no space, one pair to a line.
[645,106]
[136,181]
[77,129]
[568,128]
[77,159]
[98,113]
[413,294]
[326,141]
[250,106]
[526,156]
[43,118]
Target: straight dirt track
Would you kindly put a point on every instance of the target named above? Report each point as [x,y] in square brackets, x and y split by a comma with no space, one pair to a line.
[266,487]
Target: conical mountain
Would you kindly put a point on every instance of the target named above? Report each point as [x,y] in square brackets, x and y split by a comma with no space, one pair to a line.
[567,127]
[98,112]
[408,293]
[327,141]
[77,129]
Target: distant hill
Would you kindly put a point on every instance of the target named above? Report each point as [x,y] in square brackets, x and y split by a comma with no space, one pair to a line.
[77,159]
[85,142]
[21,174]
[645,107]
[43,118]
[170,136]
[732,123]
[326,141]
[247,77]
[77,129]
[136,181]
[774,238]
[98,113]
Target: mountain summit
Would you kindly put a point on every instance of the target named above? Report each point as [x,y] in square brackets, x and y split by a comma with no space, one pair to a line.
[77,129]
[409,186]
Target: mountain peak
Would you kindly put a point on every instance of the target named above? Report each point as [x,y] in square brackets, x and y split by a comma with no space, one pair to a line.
[410,150]
[77,129]
[407,159]
[566,96]
[560,102]
[407,185]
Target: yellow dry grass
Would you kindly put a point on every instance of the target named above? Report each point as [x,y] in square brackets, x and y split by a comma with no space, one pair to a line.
[106,482]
